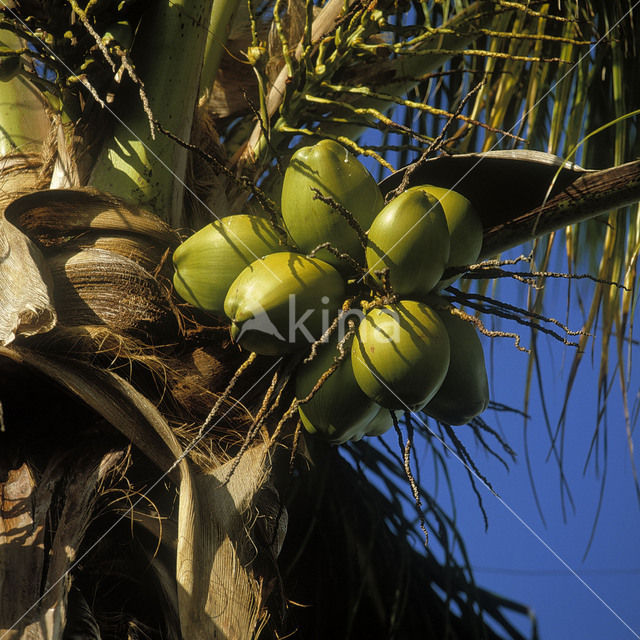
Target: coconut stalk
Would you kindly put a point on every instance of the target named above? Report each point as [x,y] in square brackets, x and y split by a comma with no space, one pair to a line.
[222,14]
[136,163]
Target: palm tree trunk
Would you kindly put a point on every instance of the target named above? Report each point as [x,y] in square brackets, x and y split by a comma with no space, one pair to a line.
[36,557]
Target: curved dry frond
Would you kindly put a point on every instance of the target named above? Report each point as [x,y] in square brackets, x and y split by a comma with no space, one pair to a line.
[214,579]
[26,307]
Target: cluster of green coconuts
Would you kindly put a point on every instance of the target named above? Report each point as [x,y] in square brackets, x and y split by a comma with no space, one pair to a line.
[407,349]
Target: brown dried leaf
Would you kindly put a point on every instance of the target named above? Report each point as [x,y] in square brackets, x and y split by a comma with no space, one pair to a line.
[219,593]
[25,287]
[34,571]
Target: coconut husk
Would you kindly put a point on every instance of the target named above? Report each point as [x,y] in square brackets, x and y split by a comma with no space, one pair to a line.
[102,254]
[95,286]
[56,216]
[20,174]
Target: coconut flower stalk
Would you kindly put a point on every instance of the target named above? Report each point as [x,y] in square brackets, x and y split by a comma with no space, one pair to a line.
[136,163]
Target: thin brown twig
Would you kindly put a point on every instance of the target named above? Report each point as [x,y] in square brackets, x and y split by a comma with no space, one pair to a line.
[496,311]
[225,394]
[93,33]
[467,297]
[503,263]
[253,431]
[294,447]
[488,332]
[405,448]
[480,425]
[434,146]
[293,407]
[344,212]
[470,467]
[125,63]
[324,338]
[354,264]
[482,271]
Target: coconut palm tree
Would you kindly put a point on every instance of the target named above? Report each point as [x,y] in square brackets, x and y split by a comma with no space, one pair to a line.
[155,481]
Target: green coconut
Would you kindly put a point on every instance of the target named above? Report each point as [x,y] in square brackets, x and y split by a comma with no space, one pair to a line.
[410,238]
[464,225]
[338,174]
[400,354]
[283,302]
[211,259]
[464,393]
[339,410]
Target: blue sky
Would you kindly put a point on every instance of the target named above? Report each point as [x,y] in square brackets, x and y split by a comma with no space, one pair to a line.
[529,560]
[510,559]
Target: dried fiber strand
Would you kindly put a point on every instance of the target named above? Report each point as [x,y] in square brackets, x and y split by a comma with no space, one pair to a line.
[527,312]
[499,406]
[294,446]
[224,395]
[508,311]
[478,424]
[344,212]
[293,407]
[324,338]
[405,448]
[472,470]
[483,271]
[488,332]
[354,264]
[262,414]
